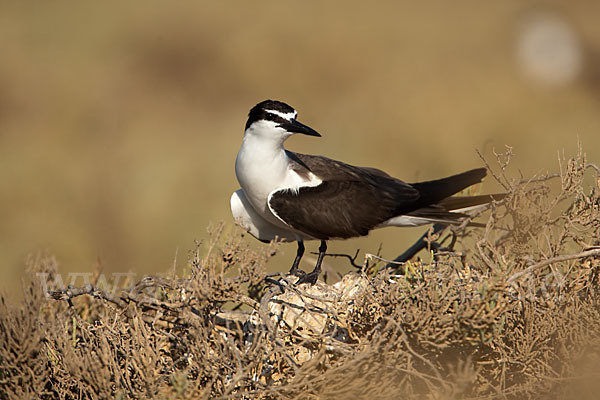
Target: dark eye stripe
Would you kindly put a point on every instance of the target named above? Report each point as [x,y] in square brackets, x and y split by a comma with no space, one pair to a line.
[259,112]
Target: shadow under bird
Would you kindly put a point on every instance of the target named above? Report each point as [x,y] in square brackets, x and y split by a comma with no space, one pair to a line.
[296,197]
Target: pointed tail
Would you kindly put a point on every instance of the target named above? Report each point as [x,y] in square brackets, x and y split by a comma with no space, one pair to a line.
[439,189]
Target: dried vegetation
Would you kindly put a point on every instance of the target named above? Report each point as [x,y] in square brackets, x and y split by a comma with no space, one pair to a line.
[506,311]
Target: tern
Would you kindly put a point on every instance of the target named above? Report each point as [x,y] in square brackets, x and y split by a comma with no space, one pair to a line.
[290,196]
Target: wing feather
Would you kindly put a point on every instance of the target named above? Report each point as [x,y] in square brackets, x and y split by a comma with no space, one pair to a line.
[352,200]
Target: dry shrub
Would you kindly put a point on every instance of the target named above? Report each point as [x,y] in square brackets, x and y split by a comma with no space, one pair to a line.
[513,313]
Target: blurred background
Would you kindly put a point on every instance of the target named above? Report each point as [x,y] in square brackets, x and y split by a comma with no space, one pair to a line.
[120,123]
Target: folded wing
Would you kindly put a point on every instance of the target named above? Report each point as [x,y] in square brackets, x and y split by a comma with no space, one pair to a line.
[353,200]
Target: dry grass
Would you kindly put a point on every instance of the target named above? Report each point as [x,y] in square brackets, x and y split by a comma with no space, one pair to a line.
[120,122]
[514,314]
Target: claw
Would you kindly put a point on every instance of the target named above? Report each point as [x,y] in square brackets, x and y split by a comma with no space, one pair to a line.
[309,278]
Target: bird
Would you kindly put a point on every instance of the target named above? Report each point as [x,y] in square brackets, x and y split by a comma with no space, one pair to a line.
[290,196]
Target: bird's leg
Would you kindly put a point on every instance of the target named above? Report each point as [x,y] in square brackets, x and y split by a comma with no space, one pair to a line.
[299,254]
[313,276]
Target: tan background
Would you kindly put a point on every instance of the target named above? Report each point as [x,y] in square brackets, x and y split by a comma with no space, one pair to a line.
[119,124]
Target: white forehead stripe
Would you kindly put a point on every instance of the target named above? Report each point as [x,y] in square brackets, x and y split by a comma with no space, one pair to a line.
[283,115]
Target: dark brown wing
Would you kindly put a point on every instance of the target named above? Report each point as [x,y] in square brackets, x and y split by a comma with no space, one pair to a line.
[337,208]
[329,169]
[353,200]
[350,202]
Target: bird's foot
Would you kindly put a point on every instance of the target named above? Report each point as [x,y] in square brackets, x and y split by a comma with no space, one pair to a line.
[296,271]
[311,278]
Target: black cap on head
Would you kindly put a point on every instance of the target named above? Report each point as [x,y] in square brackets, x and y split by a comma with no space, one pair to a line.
[259,111]
[282,114]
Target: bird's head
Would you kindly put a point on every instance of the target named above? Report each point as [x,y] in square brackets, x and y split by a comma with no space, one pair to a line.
[275,120]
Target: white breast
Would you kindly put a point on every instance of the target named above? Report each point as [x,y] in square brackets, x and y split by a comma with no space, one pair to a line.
[263,167]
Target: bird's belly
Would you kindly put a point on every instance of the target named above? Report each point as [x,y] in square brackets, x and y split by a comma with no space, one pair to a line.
[246,216]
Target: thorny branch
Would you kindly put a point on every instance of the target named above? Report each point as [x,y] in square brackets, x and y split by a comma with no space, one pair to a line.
[350,258]
[541,264]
